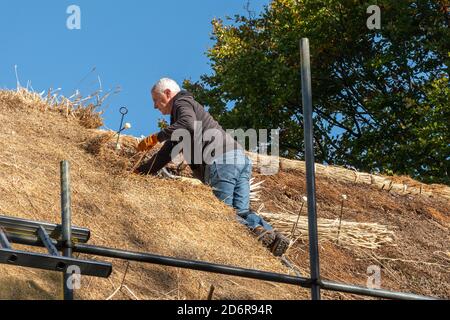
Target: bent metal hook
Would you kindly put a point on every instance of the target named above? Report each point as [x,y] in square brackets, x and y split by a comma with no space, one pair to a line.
[123,112]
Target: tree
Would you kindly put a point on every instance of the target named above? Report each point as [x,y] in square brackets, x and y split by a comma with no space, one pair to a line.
[381,97]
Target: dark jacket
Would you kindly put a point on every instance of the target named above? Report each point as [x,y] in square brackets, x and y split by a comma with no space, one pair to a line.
[185,112]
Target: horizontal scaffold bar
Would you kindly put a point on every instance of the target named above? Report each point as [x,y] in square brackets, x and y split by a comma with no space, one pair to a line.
[241,272]
[54,263]
[26,231]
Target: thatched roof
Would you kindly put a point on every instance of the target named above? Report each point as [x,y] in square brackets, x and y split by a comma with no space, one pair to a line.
[178,219]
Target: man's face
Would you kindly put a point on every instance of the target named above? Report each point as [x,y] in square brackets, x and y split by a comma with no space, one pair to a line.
[163,101]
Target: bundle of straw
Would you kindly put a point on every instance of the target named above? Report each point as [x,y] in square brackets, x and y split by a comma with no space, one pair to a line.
[365,235]
[255,188]
[398,185]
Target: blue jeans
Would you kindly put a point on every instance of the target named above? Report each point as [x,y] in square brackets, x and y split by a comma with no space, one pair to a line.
[229,177]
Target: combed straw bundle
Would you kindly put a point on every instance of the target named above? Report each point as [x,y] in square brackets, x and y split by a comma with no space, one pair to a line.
[365,235]
[399,185]
[255,190]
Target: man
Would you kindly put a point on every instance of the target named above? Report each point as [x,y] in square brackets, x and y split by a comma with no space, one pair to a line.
[218,161]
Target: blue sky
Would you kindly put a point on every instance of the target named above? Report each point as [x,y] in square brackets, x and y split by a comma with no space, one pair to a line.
[130,43]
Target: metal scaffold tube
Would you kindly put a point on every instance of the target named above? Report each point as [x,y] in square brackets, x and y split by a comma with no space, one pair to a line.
[66,217]
[310,168]
[190,264]
[240,272]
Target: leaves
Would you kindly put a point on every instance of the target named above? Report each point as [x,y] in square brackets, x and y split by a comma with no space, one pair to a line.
[381,97]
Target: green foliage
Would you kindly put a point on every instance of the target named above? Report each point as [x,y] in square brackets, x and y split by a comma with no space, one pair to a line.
[381,97]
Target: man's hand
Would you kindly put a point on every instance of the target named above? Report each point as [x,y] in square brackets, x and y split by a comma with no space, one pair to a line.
[148,143]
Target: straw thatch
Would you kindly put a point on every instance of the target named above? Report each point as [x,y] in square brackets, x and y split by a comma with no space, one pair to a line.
[176,218]
[397,184]
[345,233]
[122,210]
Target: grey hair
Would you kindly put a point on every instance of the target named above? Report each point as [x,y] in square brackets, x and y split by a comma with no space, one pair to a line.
[164,84]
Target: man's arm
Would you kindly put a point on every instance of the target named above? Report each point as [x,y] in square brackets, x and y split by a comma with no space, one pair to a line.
[159,160]
[185,119]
